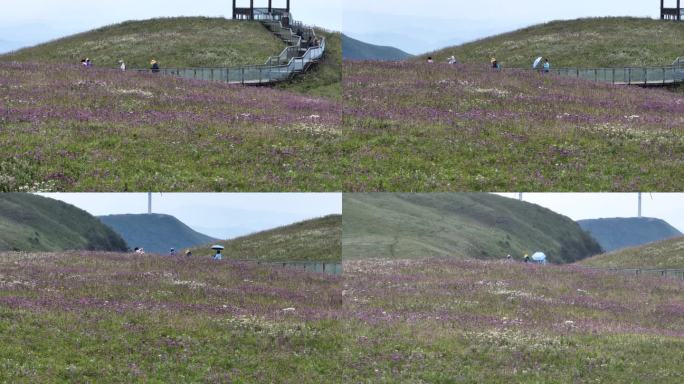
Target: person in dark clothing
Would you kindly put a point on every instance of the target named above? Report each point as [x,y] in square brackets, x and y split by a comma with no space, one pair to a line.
[495,63]
[155,66]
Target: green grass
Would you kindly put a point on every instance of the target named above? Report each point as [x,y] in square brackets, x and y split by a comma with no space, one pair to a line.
[591,42]
[155,232]
[451,321]
[35,223]
[101,317]
[325,79]
[311,240]
[112,318]
[174,42]
[666,254]
[400,226]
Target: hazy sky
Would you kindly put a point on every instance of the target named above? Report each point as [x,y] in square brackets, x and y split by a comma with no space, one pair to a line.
[578,206]
[221,215]
[427,25]
[28,22]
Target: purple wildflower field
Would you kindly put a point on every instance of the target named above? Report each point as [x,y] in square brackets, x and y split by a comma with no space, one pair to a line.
[442,319]
[466,127]
[83,316]
[105,317]
[65,128]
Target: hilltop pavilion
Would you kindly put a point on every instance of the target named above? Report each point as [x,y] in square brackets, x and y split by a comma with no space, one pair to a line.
[671,13]
[255,13]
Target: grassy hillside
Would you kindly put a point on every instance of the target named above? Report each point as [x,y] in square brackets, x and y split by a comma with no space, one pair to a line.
[618,233]
[108,318]
[155,233]
[35,223]
[174,42]
[311,240]
[593,42]
[324,80]
[353,49]
[459,225]
[64,128]
[453,321]
[421,127]
[666,254]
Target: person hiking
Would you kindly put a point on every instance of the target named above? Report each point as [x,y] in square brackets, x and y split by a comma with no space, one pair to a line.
[188,253]
[547,66]
[429,60]
[527,258]
[218,255]
[122,66]
[452,60]
[155,66]
[172,252]
[89,63]
[495,63]
[83,63]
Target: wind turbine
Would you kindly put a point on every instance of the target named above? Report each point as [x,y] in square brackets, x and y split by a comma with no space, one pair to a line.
[639,200]
[149,203]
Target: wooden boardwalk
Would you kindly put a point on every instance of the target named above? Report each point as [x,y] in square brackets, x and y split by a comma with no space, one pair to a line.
[295,59]
[643,76]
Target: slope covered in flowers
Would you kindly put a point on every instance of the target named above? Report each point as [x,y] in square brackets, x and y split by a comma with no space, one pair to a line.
[503,322]
[67,128]
[96,317]
[439,127]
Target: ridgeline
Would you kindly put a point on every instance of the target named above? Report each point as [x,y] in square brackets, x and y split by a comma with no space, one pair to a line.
[589,42]
[462,225]
[317,240]
[31,223]
[155,233]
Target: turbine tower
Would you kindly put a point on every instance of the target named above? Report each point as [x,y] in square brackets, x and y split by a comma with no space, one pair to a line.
[149,203]
[639,210]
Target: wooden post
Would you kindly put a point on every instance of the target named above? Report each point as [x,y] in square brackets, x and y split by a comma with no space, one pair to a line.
[251,9]
[288,6]
[234,9]
[679,10]
[270,6]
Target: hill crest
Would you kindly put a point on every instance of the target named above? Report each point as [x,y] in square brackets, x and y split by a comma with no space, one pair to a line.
[585,42]
[316,240]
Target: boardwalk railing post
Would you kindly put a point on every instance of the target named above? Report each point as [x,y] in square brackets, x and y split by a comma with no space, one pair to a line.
[645,76]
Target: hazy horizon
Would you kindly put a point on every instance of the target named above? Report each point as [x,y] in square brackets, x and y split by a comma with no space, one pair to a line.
[420,27]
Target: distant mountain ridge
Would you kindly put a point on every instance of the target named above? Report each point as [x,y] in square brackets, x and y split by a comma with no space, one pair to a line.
[353,49]
[459,225]
[618,233]
[155,232]
[32,223]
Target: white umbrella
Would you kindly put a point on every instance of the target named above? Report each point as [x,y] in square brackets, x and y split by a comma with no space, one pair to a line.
[217,247]
[539,256]
[536,62]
